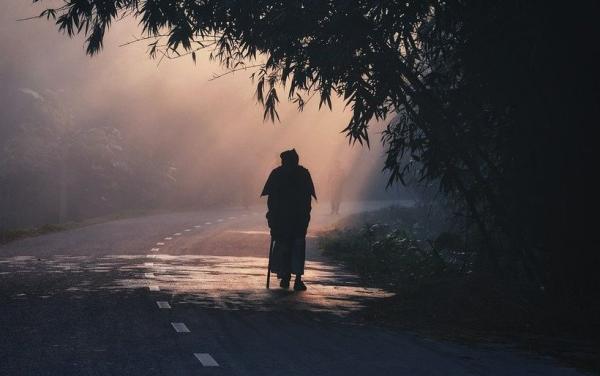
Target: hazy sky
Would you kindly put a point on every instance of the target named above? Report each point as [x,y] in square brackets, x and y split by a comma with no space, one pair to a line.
[173,108]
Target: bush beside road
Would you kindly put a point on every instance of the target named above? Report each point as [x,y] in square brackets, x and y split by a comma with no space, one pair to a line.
[440,290]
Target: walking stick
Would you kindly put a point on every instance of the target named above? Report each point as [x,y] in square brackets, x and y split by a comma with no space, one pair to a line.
[269,267]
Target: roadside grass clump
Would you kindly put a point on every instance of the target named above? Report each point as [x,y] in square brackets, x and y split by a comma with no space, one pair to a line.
[393,255]
[433,270]
[7,236]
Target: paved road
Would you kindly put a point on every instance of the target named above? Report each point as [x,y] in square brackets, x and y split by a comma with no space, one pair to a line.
[183,294]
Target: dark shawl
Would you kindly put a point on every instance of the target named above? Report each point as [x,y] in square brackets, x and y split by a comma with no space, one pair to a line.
[289,188]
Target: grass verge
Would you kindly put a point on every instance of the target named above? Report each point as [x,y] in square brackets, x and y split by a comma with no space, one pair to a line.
[440,291]
[7,236]
[10,235]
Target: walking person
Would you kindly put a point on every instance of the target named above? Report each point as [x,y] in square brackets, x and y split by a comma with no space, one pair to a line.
[290,191]
[336,181]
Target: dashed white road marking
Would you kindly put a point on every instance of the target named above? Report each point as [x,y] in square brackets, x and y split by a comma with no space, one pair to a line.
[148,264]
[153,288]
[154,249]
[198,226]
[168,238]
[180,327]
[160,243]
[231,217]
[206,360]
[220,220]
[177,234]
[163,305]
[149,275]
[187,229]
[208,223]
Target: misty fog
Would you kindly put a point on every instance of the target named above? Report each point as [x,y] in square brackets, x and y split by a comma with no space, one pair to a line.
[83,137]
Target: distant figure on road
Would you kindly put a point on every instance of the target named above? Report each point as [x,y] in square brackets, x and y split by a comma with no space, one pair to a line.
[336,186]
[290,190]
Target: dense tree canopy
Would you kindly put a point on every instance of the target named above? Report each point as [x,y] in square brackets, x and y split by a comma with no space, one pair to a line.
[494,100]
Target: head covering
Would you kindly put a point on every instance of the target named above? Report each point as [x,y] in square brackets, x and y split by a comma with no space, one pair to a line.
[289,158]
[289,174]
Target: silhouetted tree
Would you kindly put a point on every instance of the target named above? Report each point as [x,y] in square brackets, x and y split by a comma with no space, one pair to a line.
[54,169]
[494,100]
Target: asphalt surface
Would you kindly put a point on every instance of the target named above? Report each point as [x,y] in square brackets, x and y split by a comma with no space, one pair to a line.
[184,294]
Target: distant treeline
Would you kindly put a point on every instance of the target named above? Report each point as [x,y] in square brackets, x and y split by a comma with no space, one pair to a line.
[55,170]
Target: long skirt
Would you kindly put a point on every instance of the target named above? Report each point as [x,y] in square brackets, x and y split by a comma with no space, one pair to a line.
[288,257]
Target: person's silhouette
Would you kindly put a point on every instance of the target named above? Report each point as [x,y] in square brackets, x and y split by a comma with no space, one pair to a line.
[290,190]
[337,177]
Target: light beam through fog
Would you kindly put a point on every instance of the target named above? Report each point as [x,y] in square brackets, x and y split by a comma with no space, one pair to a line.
[91,136]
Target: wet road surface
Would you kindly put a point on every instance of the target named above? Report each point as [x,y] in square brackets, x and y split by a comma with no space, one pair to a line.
[183,294]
